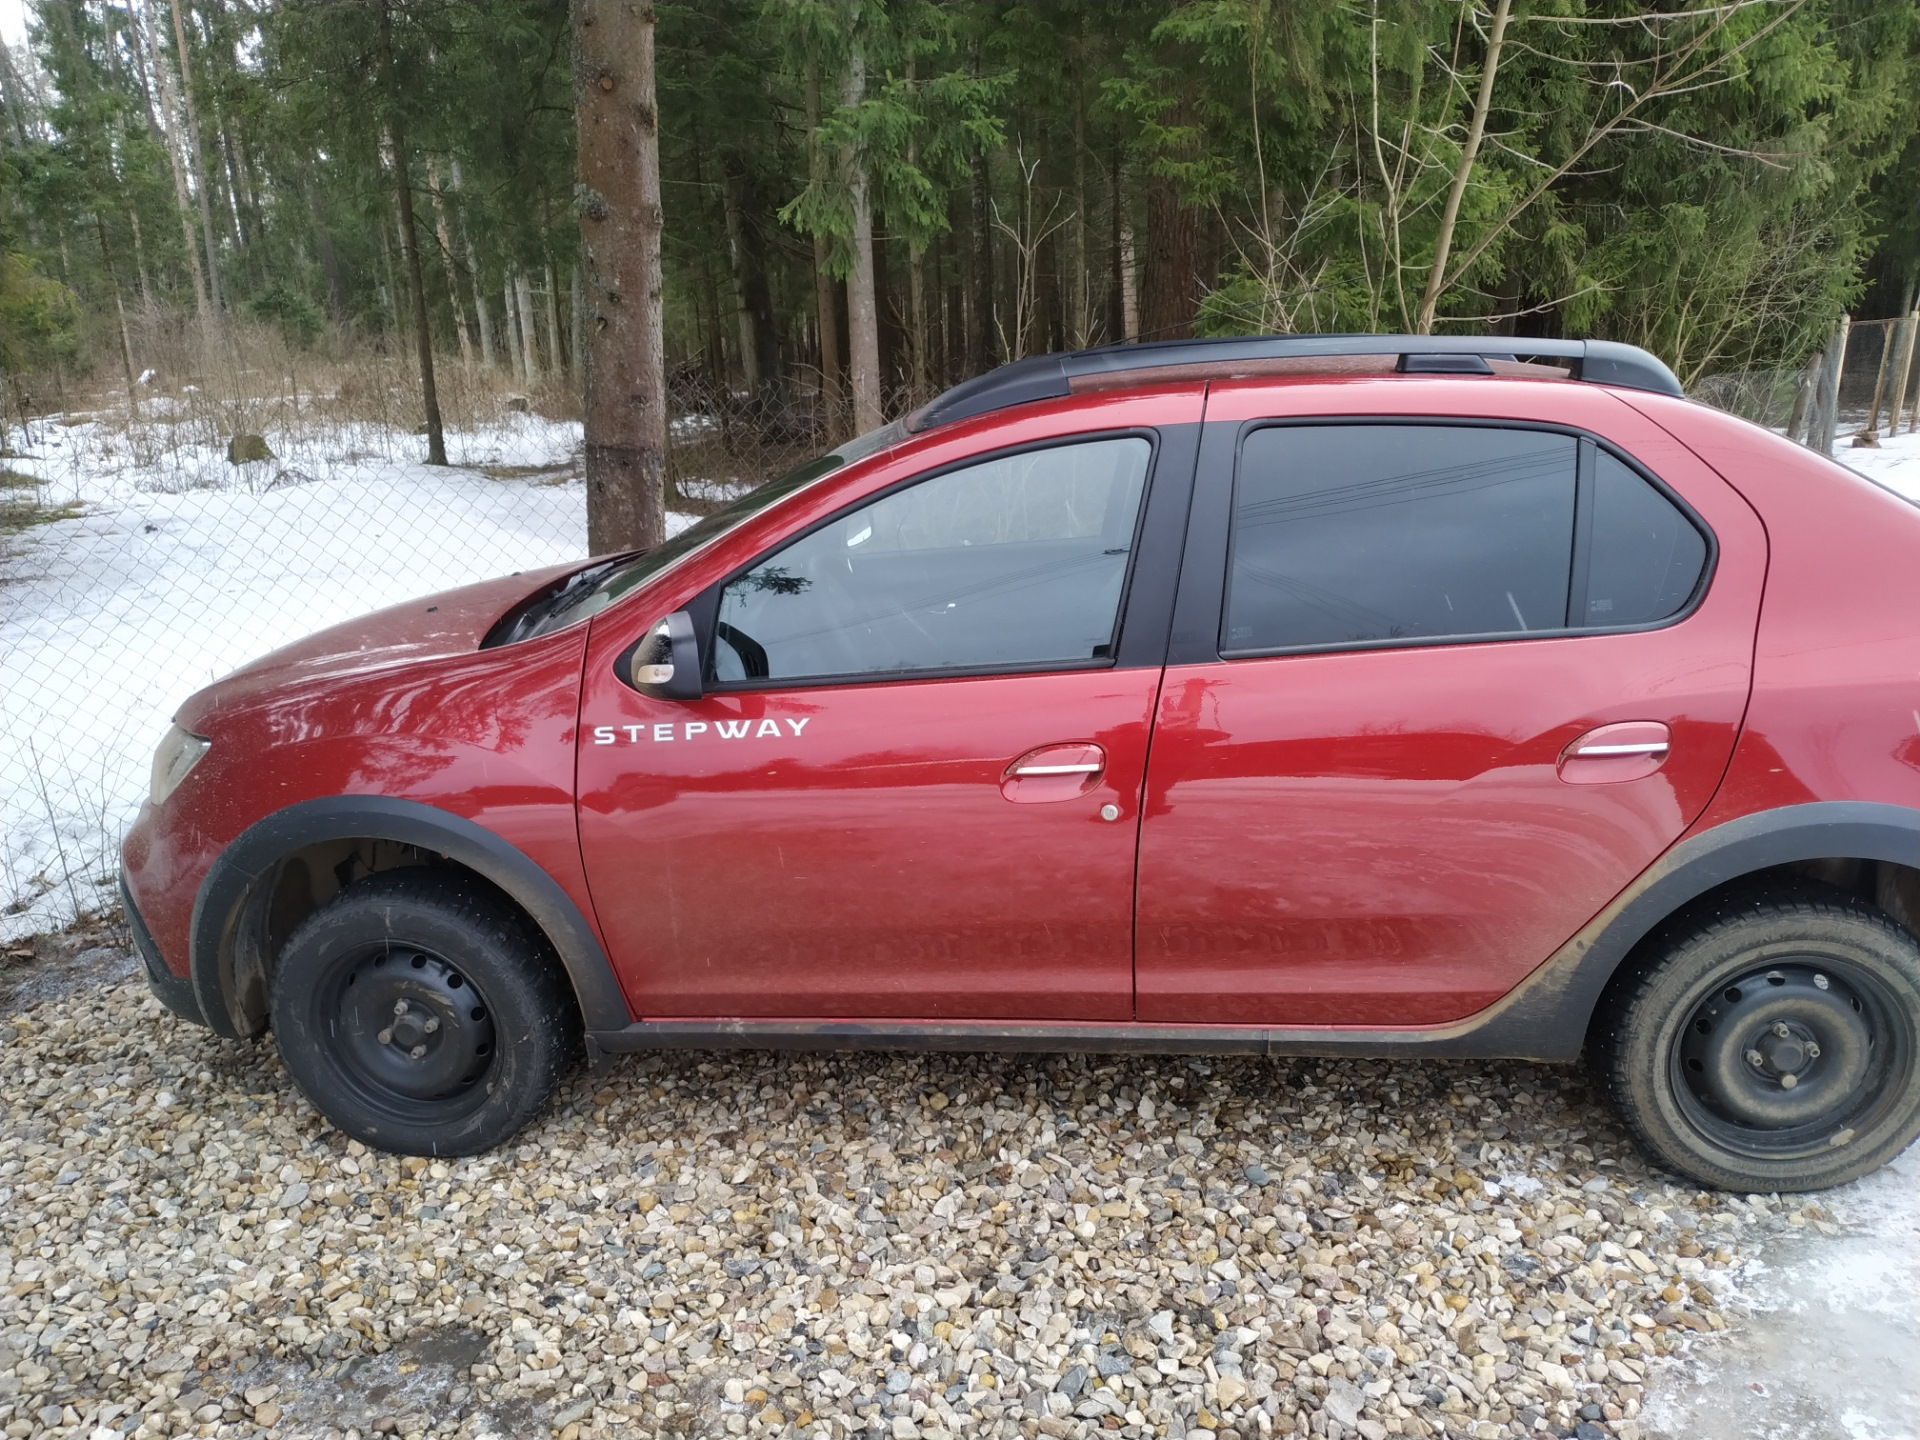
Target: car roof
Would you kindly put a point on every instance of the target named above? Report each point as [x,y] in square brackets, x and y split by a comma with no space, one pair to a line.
[1052,377]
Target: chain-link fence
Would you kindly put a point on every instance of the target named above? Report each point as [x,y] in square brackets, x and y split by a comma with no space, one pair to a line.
[1845,395]
[142,556]
[145,555]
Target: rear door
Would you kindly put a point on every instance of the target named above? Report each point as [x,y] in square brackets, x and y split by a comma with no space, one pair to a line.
[912,789]
[1443,687]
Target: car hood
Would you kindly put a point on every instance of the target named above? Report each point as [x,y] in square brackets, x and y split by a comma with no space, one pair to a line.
[452,622]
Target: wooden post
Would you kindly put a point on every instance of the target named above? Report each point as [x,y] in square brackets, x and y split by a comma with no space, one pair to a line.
[1830,397]
[1880,377]
[1805,402]
[1902,364]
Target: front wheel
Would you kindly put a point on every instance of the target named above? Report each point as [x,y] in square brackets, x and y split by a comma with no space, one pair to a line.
[1772,1047]
[421,1014]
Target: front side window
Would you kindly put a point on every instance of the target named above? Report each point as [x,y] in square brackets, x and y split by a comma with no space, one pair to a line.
[1015,562]
[1368,533]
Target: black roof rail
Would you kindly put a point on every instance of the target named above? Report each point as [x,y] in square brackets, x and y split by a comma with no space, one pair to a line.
[1049,377]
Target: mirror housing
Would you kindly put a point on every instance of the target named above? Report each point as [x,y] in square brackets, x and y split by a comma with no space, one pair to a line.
[666,663]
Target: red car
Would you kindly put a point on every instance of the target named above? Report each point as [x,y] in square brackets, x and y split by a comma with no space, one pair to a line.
[1320,695]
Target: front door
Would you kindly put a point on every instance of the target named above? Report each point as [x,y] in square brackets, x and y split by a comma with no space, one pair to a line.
[912,787]
[1469,680]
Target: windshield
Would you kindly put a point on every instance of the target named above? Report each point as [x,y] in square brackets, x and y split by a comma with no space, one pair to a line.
[628,574]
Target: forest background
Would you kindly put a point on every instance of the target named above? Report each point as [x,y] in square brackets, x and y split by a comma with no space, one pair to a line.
[944,186]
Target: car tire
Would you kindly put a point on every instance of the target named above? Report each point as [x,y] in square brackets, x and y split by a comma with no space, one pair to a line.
[1771,1045]
[422,1014]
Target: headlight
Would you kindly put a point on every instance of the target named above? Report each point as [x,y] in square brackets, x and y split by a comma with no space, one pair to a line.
[178,754]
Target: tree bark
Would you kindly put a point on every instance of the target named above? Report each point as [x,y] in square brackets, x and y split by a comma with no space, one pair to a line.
[410,244]
[1170,295]
[193,156]
[1477,127]
[863,316]
[616,112]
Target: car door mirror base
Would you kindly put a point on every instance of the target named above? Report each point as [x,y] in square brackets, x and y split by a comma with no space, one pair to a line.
[666,662]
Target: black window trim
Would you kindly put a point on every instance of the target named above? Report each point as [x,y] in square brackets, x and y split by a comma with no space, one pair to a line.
[1589,446]
[705,607]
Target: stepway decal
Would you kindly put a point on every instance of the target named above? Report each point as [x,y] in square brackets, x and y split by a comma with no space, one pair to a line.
[691,729]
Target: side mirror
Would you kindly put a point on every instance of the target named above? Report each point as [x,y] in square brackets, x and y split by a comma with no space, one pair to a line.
[666,664]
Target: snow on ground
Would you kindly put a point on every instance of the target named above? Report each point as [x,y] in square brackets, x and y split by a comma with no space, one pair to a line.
[179,568]
[1832,1349]
[1895,464]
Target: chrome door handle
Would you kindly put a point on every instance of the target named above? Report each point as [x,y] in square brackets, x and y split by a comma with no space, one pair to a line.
[1091,767]
[1623,750]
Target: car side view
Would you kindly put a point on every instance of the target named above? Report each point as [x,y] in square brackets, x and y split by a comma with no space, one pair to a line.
[1310,695]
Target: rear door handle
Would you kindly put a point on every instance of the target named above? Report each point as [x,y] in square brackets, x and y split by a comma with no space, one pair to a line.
[1053,772]
[1625,750]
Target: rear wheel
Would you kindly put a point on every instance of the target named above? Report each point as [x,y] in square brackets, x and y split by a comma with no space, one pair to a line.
[1772,1047]
[421,1015]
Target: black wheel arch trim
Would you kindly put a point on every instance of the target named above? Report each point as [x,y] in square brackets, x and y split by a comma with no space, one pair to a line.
[256,853]
[1545,1017]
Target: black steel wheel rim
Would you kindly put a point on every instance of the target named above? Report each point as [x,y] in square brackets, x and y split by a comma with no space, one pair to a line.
[1789,1058]
[410,1032]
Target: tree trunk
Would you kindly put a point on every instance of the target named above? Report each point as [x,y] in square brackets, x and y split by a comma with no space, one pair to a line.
[193,156]
[825,310]
[1169,297]
[556,357]
[863,317]
[1081,287]
[448,263]
[410,244]
[140,258]
[737,269]
[529,346]
[1437,279]
[126,345]
[481,312]
[181,199]
[615,110]
[980,346]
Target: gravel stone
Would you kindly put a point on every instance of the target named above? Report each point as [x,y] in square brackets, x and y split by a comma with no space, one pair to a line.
[839,1244]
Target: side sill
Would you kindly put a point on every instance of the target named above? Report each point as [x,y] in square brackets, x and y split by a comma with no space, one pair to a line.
[1450,1042]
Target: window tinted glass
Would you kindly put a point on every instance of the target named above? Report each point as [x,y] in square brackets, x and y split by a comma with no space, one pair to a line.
[1354,533]
[1015,561]
[1646,556]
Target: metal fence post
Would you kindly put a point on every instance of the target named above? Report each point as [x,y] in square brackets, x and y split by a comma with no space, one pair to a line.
[1902,364]
[1830,397]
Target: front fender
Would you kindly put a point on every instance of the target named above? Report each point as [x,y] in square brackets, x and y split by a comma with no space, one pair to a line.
[255,855]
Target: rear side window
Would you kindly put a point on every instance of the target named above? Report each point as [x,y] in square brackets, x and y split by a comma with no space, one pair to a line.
[1015,562]
[1356,534]
[1646,556]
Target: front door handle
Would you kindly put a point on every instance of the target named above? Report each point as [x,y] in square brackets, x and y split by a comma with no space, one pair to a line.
[1626,750]
[1054,772]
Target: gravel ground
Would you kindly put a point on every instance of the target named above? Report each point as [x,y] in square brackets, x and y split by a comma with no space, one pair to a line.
[826,1245]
